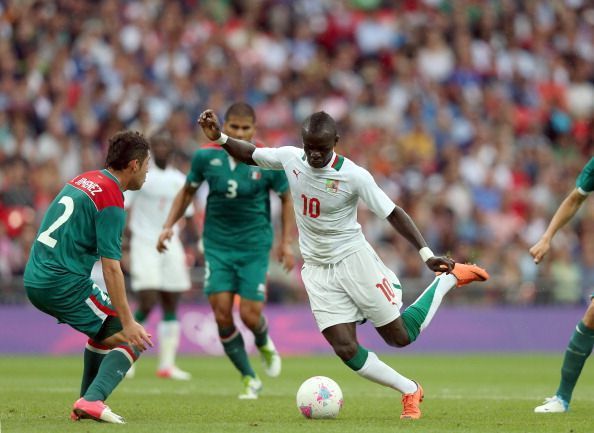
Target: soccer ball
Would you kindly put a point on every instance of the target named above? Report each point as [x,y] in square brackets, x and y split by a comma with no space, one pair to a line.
[319,397]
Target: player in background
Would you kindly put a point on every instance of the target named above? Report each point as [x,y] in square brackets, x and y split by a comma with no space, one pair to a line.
[237,240]
[158,278]
[85,222]
[346,281]
[582,340]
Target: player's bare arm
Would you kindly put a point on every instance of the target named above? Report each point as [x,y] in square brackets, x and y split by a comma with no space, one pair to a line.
[286,256]
[403,223]
[566,211]
[134,333]
[238,149]
[178,208]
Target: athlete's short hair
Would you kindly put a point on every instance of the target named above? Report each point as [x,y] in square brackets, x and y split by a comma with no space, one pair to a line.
[126,146]
[240,109]
[161,135]
[319,123]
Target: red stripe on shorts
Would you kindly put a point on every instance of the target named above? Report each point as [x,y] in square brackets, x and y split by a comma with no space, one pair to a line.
[102,307]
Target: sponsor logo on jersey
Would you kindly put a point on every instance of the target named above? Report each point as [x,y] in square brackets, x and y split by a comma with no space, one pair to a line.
[296,173]
[332,186]
[89,185]
[216,162]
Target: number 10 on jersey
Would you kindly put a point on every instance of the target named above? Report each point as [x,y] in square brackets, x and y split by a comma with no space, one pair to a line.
[311,206]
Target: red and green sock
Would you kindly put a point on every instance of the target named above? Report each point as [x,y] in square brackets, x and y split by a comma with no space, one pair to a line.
[111,371]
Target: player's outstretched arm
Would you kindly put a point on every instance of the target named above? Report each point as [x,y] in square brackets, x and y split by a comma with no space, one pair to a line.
[238,149]
[114,280]
[564,213]
[178,208]
[404,225]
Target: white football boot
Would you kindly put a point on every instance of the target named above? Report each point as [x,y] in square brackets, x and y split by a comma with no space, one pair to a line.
[271,359]
[252,388]
[553,404]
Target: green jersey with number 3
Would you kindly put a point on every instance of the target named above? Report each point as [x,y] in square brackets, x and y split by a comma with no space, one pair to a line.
[84,222]
[238,202]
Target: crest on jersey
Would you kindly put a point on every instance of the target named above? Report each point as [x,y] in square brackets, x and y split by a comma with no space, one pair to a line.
[256,173]
[332,186]
[216,162]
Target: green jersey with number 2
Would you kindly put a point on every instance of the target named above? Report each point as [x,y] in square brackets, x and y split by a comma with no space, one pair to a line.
[84,222]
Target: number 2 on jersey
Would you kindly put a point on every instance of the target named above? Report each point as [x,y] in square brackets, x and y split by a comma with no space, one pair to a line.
[44,237]
[311,206]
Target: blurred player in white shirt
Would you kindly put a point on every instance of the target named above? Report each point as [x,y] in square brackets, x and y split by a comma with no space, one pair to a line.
[346,281]
[158,277]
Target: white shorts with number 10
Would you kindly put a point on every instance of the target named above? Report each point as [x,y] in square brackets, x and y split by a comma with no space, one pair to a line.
[358,287]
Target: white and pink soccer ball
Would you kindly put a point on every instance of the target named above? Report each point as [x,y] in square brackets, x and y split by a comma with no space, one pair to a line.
[319,397]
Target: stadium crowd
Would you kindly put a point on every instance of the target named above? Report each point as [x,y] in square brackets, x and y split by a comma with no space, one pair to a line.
[476,116]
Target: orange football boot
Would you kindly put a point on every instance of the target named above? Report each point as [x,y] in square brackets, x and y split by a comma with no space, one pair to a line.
[411,402]
[466,273]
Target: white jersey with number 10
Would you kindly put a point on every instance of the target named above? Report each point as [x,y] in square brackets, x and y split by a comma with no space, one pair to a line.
[325,201]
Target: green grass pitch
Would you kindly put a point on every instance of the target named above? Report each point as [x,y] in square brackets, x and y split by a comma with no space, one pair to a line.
[463,393]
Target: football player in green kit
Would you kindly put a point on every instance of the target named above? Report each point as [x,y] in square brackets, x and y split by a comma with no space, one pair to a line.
[581,342]
[237,240]
[85,222]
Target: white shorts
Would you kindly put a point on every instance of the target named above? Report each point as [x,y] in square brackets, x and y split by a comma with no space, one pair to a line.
[358,287]
[161,271]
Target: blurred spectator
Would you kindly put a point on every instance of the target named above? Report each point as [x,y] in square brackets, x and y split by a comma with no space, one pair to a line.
[473,115]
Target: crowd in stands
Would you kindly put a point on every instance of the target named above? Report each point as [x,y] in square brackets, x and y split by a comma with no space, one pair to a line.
[475,116]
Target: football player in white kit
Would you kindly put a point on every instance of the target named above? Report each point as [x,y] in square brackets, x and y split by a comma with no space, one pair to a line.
[158,277]
[346,281]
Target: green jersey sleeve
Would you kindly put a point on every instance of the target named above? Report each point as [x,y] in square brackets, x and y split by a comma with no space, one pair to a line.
[109,230]
[278,181]
[585,181]
[196,174]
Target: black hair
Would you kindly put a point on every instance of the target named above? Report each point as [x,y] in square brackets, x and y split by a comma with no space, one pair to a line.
[240,109]
[161,135]
[126,146]
[320,123]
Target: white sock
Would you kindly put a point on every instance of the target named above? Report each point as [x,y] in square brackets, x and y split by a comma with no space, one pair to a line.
[445,282]
[168,333]
[376,371]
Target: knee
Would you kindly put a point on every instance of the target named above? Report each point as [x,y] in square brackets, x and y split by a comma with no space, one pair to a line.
[251,319]
[345,350]
[397,339]
[145,307]
[223,317]
[146,304]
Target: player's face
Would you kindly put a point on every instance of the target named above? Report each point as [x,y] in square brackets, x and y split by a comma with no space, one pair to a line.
[319,148]
[161,151]
[240,127]
[139,176]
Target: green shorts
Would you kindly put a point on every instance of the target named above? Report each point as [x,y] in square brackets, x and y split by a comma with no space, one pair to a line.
[83,306]
[237,272]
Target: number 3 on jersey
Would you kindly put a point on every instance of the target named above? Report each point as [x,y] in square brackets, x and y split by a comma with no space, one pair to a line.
[311,206]
[231,189]
[44,237]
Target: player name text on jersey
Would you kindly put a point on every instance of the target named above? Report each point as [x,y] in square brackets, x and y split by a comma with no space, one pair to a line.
[89,185]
